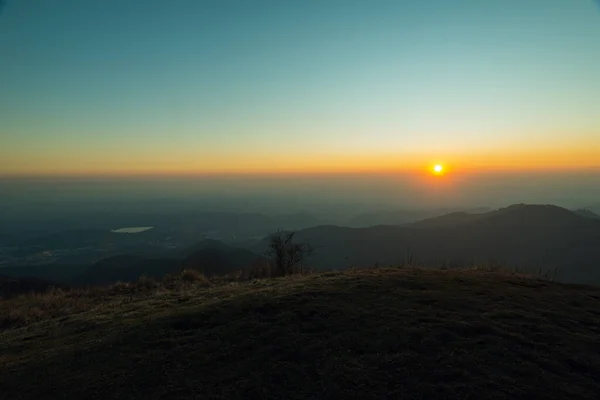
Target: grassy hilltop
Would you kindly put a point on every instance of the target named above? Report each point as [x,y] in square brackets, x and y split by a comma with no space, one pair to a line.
[381,333]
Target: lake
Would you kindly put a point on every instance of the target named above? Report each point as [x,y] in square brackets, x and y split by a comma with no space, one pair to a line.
[137,229]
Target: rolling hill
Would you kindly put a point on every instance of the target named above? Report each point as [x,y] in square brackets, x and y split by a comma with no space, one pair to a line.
[595,208]
[126,268]
[371,334]
[403,217]
[447,220]
[212,257]
[529,237]
[587,213]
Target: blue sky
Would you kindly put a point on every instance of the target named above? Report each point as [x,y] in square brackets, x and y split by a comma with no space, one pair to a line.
[145,85]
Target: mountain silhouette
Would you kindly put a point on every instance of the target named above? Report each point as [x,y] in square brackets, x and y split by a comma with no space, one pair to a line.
[448,220]
[528,237]
[212,257]
[403,217]
[587,213]
[201,245]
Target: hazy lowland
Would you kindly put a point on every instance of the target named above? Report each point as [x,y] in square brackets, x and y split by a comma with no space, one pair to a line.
[61,230]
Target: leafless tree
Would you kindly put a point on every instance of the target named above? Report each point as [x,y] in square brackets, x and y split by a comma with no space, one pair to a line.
[288,257]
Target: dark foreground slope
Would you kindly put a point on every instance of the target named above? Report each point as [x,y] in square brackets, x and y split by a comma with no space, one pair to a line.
[403,333]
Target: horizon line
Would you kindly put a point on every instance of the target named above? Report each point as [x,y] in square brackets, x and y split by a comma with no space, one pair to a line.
[294,172]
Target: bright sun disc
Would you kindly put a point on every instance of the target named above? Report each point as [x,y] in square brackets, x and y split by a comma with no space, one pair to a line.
[438,168]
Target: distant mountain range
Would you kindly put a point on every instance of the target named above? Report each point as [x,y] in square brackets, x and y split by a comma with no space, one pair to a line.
[587,213]
[528,237]
[448,220]
[403,217]
[212,257]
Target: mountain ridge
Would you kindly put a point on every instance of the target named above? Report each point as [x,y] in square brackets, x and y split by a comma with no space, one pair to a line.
[520,236]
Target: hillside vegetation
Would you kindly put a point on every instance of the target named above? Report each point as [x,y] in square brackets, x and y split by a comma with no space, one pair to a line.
[380,333]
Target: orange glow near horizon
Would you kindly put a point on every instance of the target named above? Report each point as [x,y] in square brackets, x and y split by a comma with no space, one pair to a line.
[342,90]
[187,162]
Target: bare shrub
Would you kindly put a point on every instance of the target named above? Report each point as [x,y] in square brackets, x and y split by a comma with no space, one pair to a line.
[287,257]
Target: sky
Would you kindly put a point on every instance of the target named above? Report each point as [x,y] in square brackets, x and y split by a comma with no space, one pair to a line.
[126,87]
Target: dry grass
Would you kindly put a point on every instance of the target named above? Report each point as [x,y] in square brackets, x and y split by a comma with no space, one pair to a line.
[32,307]
[541,273]
[54,303]
[376,333]
[28,308]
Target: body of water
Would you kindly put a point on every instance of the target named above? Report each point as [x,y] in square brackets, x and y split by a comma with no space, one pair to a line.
[137,229]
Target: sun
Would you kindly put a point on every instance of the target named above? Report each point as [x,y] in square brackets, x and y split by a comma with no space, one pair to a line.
[438,169]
